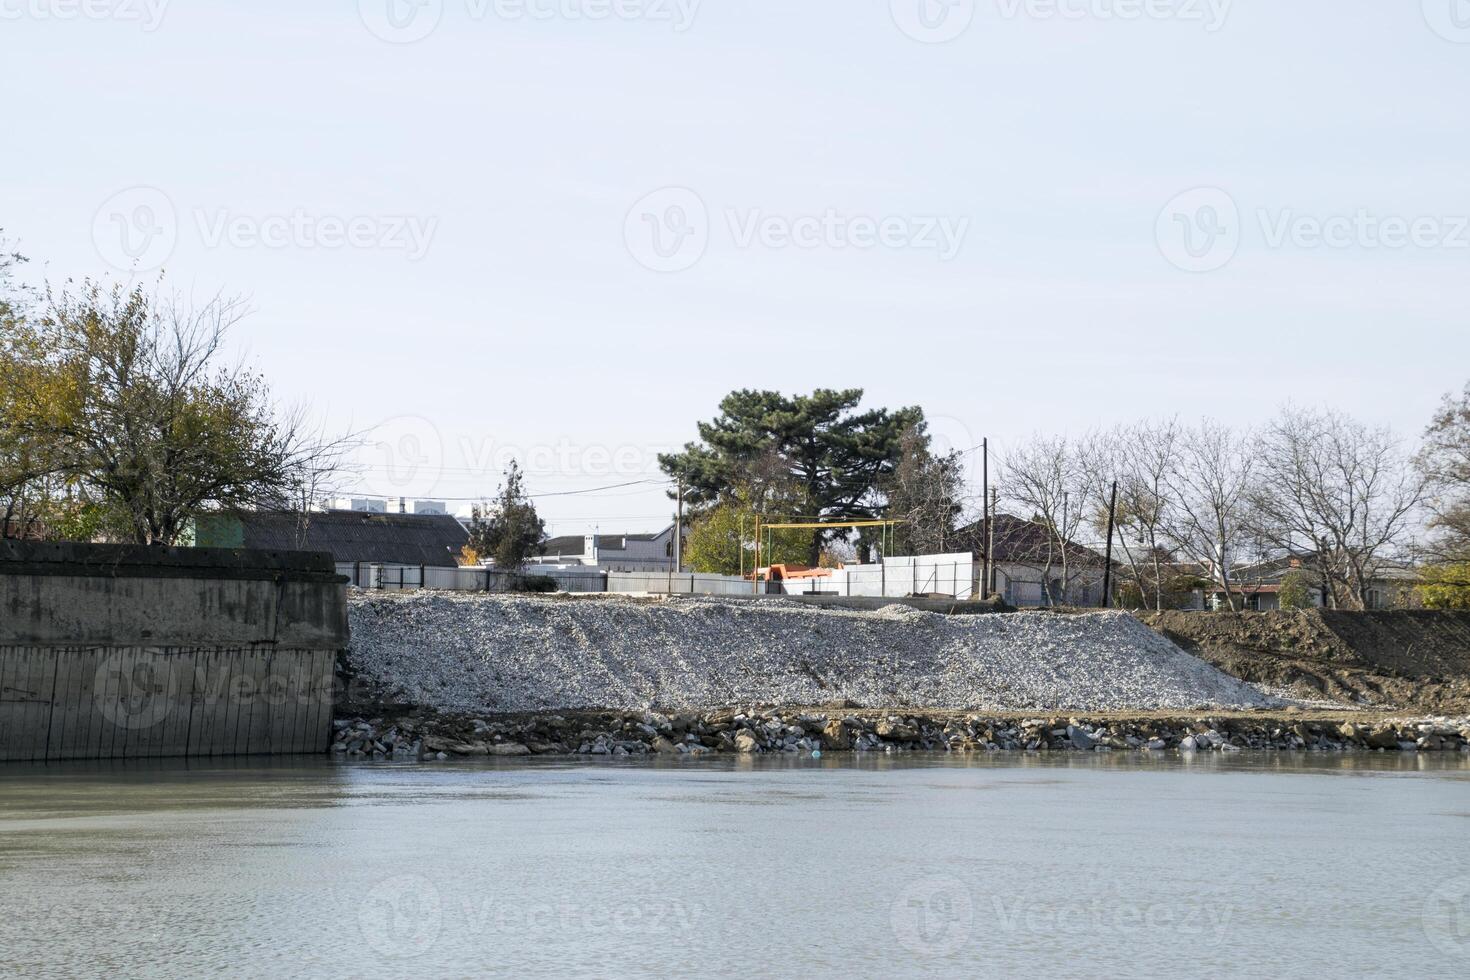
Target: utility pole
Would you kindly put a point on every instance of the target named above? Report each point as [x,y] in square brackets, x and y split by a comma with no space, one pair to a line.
[1107,598]
[985,511]
[990,545]
[755,576]
[679,532]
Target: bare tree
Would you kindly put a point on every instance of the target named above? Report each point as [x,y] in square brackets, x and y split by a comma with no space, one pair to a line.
[313,478]
[1342,488]
[1208,483]
[1444,461]
[926,493]
[1139,457]
[1047,476]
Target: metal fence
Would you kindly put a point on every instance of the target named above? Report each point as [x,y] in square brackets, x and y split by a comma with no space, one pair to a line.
[366,575]
[894,578]
[890,579]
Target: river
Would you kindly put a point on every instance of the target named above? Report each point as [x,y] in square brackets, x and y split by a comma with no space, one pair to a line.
[1266,865]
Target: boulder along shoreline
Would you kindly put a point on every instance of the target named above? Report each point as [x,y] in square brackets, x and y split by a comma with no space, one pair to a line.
[425,735]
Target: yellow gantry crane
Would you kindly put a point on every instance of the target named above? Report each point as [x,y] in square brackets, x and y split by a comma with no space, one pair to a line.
[885,537]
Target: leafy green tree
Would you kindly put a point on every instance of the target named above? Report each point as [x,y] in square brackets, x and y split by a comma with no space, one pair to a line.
[721,540]
[835,456]
[1444,586]
[125,403]
[1296,591]
[25,501]
[510,531]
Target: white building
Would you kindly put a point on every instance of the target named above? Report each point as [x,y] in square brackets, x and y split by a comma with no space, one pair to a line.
[611,552]
[377,505]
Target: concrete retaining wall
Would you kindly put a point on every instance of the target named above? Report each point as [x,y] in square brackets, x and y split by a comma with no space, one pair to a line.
[110,651]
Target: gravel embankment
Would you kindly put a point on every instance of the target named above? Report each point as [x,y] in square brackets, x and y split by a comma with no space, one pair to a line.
[497,653]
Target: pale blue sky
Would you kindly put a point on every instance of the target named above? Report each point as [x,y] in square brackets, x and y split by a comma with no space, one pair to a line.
[514,147]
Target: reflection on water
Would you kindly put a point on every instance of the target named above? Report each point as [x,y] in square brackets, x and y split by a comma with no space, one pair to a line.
[1248,864]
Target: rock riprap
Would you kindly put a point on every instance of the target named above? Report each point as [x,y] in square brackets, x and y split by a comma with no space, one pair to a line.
[749,731]
[500,653]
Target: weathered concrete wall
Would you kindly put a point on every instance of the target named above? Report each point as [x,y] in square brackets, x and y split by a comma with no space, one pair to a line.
[123,652]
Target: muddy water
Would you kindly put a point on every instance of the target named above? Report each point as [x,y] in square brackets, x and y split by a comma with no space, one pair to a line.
[1259,865]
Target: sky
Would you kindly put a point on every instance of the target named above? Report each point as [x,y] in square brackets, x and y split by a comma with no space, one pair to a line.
[564,229]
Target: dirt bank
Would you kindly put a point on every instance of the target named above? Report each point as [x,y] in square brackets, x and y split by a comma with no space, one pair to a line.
[1416,660]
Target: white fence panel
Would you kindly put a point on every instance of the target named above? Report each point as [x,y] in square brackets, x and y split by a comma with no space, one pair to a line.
[948,575]
[682,583]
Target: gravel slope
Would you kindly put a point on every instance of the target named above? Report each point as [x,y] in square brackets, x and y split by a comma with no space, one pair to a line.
[501,653]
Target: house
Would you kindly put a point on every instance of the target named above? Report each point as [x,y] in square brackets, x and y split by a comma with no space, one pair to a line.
[350,536]
[1028,564]
[1258,585]
[611,552]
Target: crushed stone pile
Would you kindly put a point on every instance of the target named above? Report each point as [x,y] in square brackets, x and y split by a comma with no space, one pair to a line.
[501,653]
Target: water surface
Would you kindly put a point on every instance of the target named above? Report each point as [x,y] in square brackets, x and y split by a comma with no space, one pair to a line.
[1006,864]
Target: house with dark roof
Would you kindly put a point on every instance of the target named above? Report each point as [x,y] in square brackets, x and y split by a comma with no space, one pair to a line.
[1032,568]
[432,540]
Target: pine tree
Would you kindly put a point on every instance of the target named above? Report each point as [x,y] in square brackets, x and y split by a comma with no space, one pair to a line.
[510,531]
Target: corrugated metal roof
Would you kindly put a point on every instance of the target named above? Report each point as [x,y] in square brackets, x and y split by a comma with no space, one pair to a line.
[398,539]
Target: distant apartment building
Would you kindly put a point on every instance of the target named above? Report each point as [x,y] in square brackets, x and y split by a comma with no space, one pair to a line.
[381,505]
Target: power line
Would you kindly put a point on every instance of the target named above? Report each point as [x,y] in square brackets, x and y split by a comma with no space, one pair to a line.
[533,496]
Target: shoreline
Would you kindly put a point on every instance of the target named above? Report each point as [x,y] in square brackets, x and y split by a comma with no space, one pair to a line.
[399,734]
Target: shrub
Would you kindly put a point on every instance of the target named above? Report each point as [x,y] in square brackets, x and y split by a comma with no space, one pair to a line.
[533,583]
[1295,591]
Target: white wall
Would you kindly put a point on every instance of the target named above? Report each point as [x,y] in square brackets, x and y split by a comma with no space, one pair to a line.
[682,583]
[1021,585]
[896,577]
